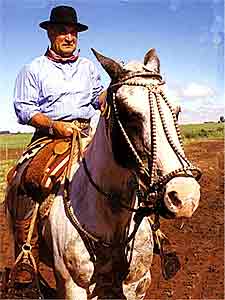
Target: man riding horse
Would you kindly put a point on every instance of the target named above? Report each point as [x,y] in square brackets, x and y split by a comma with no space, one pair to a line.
[99,233]
[52,92]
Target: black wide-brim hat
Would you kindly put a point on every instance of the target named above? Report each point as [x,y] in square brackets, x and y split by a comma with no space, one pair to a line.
[64,15]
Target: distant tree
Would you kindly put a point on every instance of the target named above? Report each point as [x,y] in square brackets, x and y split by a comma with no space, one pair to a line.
[222,119]
[4,132]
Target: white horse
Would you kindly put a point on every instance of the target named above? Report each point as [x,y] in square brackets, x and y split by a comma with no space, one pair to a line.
[98,229]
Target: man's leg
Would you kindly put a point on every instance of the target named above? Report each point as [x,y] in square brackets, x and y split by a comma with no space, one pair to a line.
[22,228]
[21,208]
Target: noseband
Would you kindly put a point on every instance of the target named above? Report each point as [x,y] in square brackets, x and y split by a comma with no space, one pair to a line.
[154,184]
[151,191]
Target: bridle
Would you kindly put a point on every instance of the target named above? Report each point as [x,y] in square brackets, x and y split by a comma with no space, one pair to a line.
[150,191]
[154,183]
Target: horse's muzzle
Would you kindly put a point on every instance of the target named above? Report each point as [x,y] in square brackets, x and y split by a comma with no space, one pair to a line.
[182,196]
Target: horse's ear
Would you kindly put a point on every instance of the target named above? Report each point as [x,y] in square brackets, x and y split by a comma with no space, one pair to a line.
[113,68]
[151,61]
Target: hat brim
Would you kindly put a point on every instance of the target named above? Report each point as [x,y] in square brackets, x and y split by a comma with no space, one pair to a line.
[79,27]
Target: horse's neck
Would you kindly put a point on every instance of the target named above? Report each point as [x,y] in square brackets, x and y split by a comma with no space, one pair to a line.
[108,173]
[100,215]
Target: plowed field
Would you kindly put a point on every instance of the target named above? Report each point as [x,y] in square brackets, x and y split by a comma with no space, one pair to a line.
[199,242]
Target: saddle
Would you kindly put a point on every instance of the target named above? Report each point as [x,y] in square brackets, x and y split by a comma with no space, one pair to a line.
[46,162]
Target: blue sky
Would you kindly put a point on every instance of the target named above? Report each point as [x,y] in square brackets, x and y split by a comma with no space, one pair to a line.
[187,34]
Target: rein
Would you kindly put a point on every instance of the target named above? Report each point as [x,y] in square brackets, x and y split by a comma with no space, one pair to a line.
[88,237]
[151,195]
[155,186]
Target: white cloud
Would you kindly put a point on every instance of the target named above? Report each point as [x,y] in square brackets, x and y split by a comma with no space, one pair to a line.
[172,94]
[202,113]
[196,90]
[199,102]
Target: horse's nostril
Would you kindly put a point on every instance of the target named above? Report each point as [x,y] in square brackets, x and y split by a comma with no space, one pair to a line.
[174,198]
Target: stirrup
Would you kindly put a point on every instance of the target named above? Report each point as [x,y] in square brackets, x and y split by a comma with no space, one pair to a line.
[16,290]
[24,263]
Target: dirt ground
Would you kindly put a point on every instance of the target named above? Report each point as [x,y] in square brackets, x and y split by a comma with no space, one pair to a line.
[198,242]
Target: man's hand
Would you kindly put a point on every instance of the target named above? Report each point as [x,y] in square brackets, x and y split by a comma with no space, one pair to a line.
[58,128]
[62,129]
[102,100]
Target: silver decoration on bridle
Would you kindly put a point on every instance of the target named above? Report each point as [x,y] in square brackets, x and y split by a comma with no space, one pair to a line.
[154,187]
[155,181]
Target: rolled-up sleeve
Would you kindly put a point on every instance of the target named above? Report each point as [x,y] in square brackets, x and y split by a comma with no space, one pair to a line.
[26,94]
[97,87]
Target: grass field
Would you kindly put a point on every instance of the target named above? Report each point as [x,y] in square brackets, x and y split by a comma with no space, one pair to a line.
[9,142]
[14,141]
[202,131]
[190,133]
[5,166]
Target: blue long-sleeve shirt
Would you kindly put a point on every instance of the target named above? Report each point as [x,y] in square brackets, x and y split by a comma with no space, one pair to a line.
[62,91]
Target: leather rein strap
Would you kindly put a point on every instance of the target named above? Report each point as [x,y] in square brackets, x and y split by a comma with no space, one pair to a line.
[88,237]
[153,188]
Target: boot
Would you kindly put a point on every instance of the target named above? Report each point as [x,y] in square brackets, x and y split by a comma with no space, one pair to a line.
[21,232]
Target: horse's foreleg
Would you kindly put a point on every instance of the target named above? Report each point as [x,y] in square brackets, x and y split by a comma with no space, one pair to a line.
[69,290]
[73,271]
[137,290]
[143,286]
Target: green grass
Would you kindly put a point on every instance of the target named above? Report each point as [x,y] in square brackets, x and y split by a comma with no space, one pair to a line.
[5,165]
[10,142]
[190,132]
[202,131]
[14,141]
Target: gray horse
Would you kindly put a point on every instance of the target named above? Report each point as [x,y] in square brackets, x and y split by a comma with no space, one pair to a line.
[99,230]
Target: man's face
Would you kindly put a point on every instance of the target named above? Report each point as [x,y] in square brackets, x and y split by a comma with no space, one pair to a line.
[63,39]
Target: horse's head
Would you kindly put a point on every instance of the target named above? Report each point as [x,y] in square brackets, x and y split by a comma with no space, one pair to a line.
[146,137]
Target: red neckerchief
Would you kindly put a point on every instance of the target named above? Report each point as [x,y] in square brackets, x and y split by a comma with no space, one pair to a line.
[57,58]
